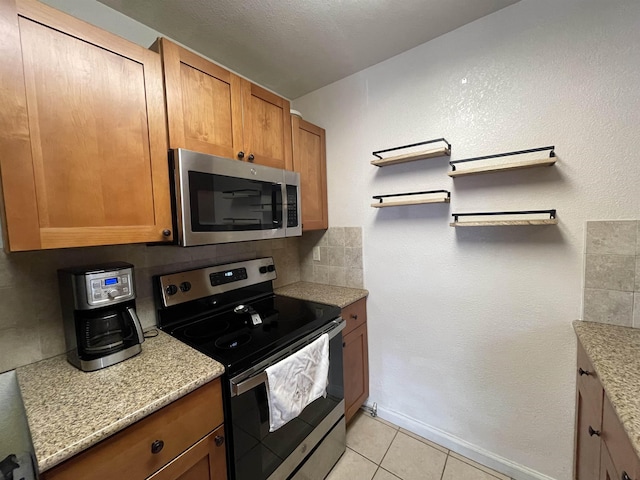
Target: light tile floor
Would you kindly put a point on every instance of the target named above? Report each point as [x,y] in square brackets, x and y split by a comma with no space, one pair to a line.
[379,450]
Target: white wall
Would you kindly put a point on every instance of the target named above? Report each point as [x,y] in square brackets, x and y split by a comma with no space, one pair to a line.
[470,337]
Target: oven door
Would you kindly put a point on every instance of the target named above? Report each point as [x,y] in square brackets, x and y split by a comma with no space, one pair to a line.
[257,454]
[219,200]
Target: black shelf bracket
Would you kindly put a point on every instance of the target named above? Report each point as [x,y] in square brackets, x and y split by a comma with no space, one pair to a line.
[508,154]
[551,213]
[381,197]
[377,153]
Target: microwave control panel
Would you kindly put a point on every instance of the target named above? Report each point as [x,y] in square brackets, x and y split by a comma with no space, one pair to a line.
[292,206]
[109,287]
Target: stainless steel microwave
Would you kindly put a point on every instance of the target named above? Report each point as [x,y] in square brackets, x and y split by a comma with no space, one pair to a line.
[218,200]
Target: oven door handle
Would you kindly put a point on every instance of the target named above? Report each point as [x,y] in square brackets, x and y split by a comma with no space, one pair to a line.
[261,377]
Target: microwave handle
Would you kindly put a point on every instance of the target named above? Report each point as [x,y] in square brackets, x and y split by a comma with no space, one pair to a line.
[136,323]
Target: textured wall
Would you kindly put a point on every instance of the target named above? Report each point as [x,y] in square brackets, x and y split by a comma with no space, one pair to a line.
[470,332]
[30,319]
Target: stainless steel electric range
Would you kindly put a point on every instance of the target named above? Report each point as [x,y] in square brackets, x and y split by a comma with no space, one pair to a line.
[230,313]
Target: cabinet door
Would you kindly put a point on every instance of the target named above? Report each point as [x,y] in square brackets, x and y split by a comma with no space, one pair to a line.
[589,397]
[623,456]
[587,438]
[607,470]
[266,127]
[87,135]
[309,159]
[204,102]
[206,460]
[356,370]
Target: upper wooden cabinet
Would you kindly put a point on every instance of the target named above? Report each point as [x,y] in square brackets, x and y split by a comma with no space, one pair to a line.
[83,134]
[211,110]
[309,159]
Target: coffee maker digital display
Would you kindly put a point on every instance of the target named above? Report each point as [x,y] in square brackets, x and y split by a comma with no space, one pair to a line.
[100,321]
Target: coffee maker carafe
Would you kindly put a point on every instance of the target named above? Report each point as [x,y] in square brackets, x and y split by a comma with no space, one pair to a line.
[98,308]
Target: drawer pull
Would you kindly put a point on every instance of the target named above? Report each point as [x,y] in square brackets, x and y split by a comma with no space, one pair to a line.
[219,440]
[625,476]
[583,372]
[593,432]
[157,446]
[354,316]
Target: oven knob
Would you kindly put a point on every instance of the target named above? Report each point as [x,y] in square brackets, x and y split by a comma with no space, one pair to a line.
[171,290]
[271,268]
[113,294]
[263,269]
[185,286]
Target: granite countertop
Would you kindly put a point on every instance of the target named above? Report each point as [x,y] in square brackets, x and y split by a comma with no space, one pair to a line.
[316,292]
[69,410]
[615,354]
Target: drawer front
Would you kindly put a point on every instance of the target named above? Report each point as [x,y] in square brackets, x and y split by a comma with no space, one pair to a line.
[588,382]
[622,454]
[355,315]
[169,432]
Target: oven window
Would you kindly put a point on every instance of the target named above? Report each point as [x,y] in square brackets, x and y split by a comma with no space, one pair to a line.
[258,453]
[220,203]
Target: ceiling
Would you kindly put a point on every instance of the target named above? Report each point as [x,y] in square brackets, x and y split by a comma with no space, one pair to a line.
[296,46]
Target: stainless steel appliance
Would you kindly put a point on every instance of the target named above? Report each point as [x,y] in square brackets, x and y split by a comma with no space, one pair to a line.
[218,200]
[230,313]
[99,313]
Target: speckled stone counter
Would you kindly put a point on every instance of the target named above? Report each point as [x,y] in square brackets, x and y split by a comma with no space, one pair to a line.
[69,410]
[316,292]
[615,354]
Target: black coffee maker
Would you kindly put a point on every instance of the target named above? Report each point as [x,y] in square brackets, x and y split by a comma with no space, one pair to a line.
[100,322]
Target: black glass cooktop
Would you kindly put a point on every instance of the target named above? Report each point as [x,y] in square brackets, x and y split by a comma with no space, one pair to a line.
[232,337]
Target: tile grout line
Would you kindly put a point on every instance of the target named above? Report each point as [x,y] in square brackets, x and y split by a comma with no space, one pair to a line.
[445,466]
[389,447]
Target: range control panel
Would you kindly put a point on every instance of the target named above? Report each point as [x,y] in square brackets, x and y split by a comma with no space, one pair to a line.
[181,287]
[109,287]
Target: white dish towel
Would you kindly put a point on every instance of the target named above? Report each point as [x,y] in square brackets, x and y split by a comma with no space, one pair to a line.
[296,381]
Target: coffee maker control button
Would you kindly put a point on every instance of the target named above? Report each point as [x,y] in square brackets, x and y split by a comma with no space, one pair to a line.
[185,286]
[171,290]
[97,295]
[95,283]
[113,294]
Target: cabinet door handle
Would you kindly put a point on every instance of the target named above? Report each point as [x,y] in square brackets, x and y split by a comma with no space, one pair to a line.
[157,446]
[219,440]
[251,157]
[166,232]
[354,316]
[240,154]
[625,476]
[583,372]
[593,432]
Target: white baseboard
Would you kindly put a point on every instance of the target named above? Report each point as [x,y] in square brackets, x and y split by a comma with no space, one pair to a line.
[464,448]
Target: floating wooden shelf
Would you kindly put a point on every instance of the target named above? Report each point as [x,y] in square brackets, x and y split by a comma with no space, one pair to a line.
[542,162]
[504,223]
[496,222]
[411,157]
[401,199]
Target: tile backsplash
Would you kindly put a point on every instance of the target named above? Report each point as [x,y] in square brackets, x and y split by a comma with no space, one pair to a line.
[338,257]
[612,273]
[30,318]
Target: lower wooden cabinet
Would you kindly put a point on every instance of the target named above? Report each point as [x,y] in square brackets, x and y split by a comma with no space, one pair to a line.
[355,357]
[602,447]
[184,440]
[204,461]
